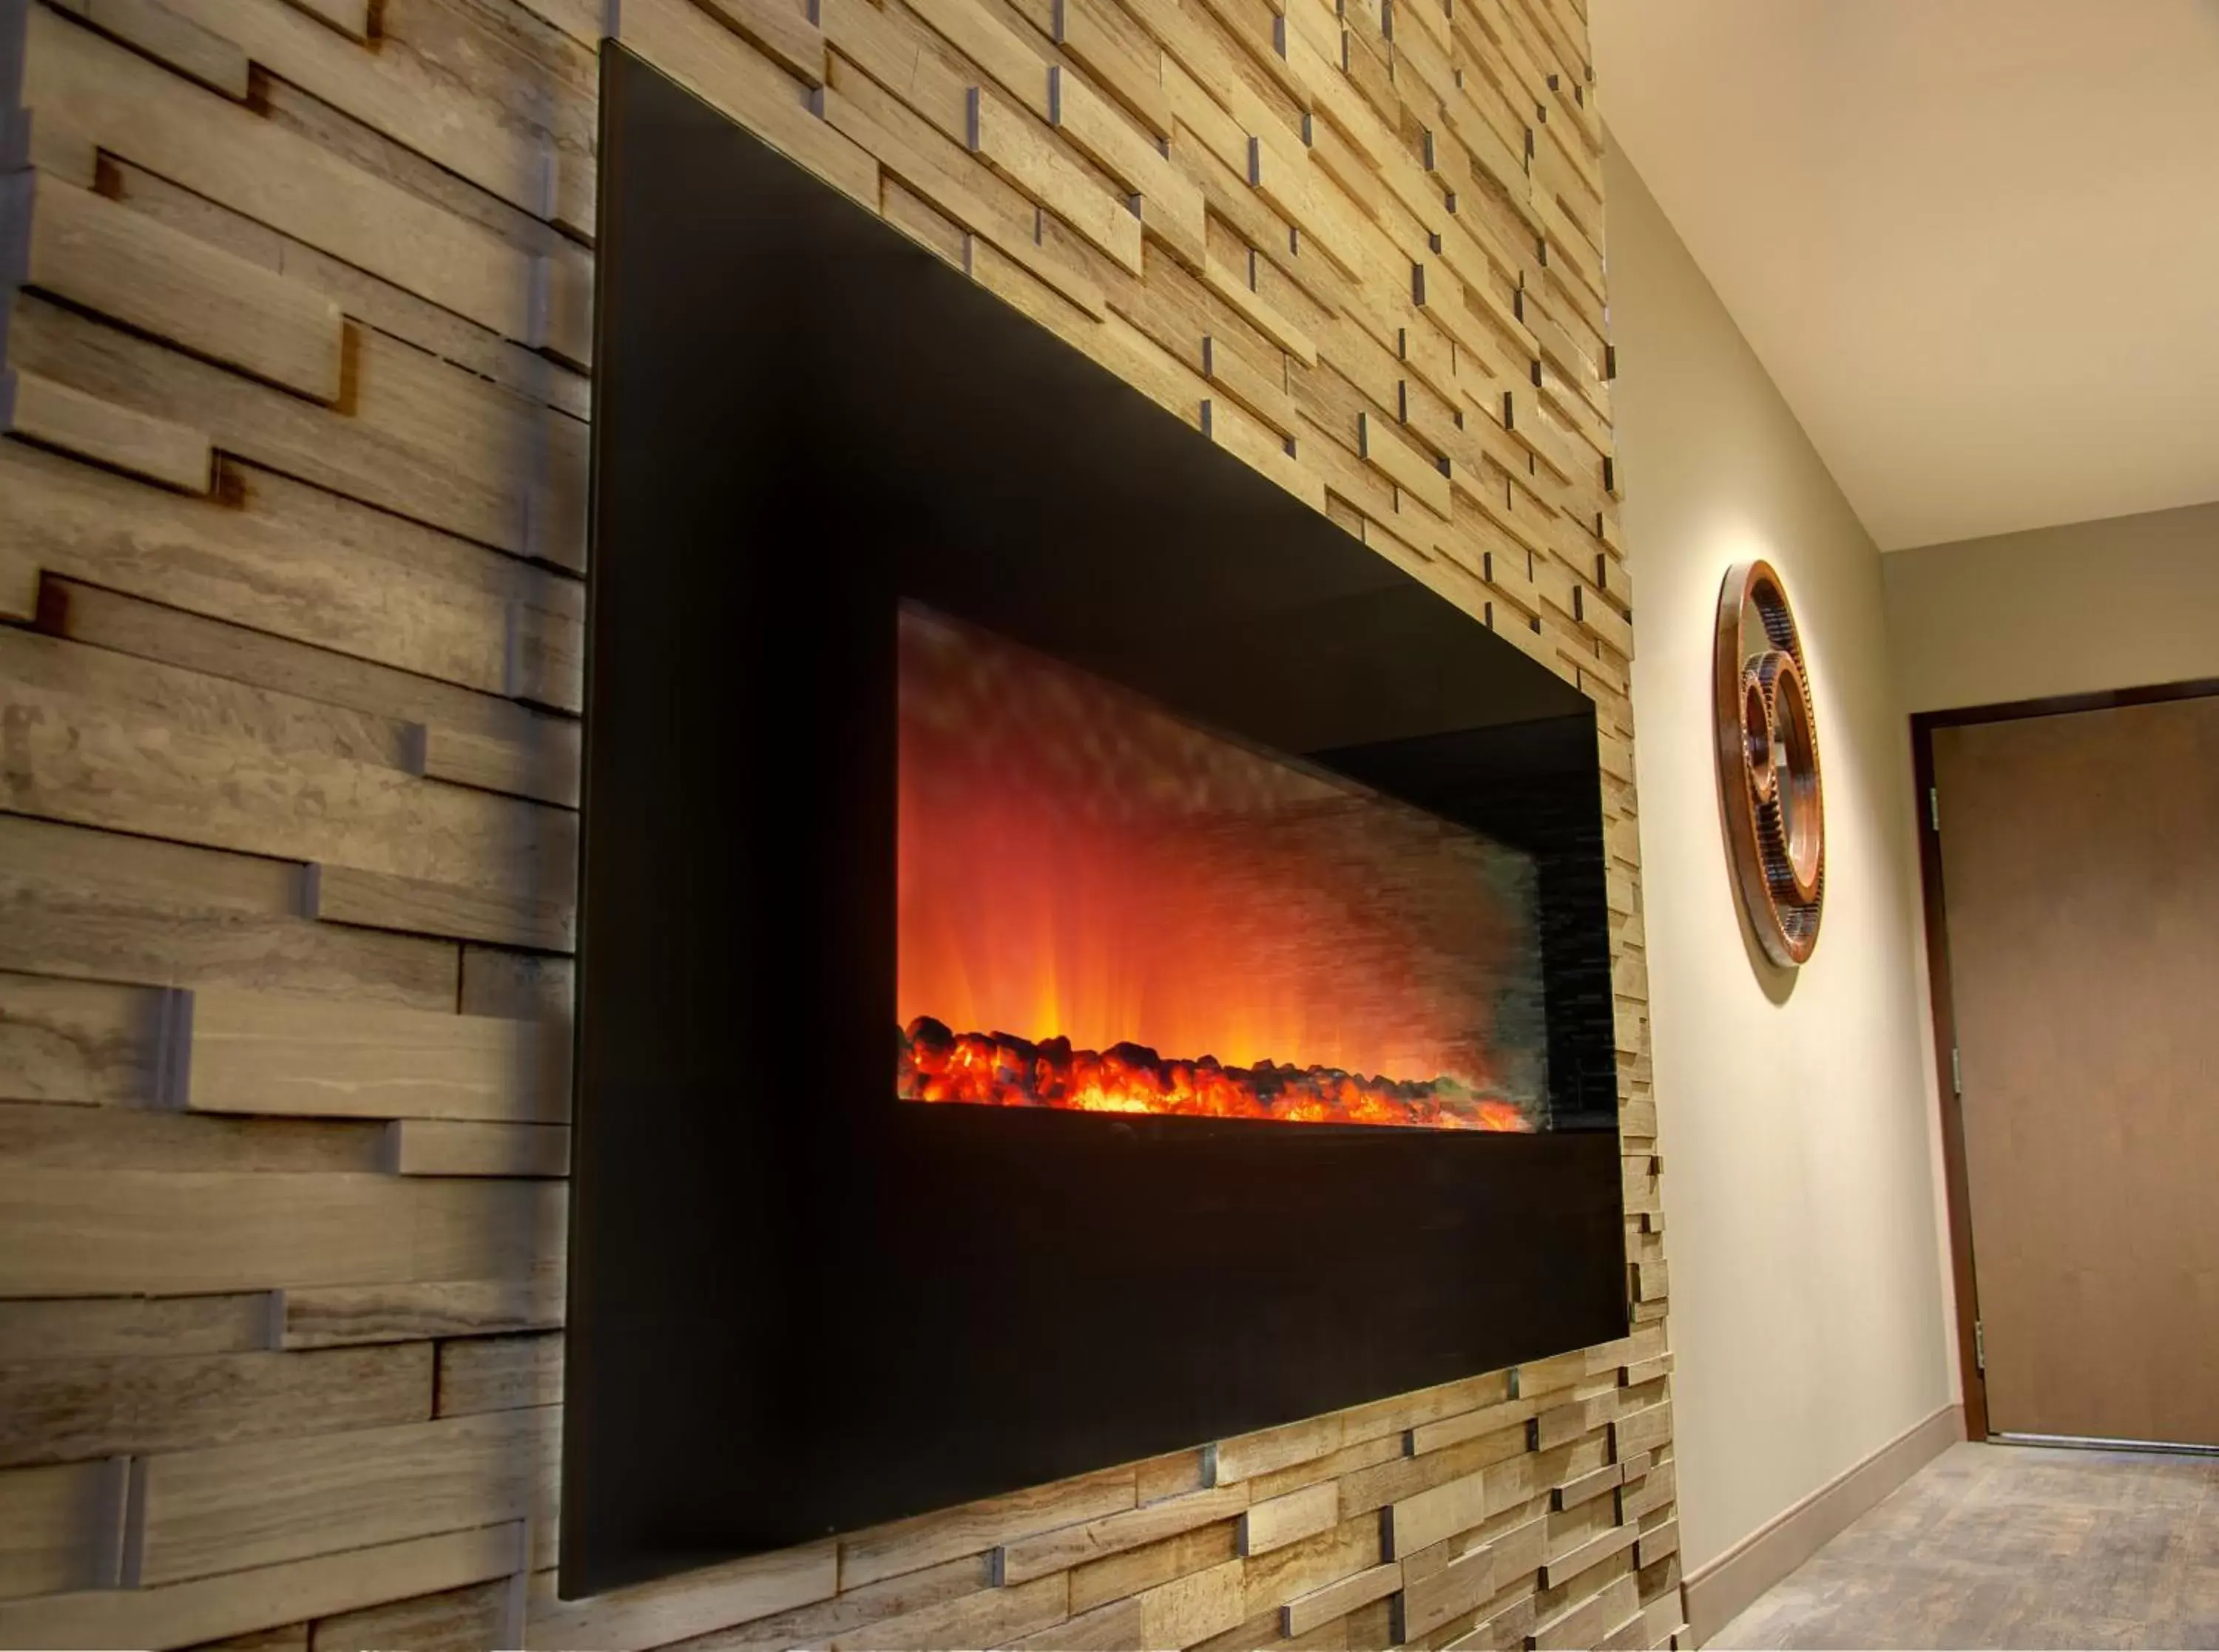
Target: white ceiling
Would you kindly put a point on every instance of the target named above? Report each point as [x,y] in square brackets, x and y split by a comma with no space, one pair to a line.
[1975,242]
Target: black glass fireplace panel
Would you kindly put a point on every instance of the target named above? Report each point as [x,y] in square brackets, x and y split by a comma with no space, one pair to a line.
[799,1303]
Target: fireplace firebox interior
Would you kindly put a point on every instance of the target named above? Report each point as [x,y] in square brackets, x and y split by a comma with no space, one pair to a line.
[1173,922]
[1078,956]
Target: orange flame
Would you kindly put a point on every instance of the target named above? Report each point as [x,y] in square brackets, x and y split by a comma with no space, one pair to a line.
[1078,865]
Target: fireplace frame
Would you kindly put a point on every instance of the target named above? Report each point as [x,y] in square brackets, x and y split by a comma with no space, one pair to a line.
[797,1305]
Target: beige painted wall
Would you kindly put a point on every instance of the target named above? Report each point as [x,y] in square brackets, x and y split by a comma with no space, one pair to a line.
[1798,1122]
[2116,604]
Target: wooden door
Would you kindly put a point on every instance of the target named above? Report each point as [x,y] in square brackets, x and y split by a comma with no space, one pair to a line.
[2080,882]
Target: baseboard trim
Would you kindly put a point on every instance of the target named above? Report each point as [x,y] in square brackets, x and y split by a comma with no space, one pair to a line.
[1720,1591]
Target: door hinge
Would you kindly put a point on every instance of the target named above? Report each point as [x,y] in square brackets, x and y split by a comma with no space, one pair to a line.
[1979,1348]
[1956,1072]
[1934,807]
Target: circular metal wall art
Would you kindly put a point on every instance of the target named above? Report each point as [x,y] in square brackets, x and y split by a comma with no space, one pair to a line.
[1768,764]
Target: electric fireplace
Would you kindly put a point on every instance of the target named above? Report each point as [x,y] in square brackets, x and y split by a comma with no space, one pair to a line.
[1181,925]
[1078,956]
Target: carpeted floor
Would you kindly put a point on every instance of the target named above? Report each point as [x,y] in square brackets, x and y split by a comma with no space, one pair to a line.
[2014,1546]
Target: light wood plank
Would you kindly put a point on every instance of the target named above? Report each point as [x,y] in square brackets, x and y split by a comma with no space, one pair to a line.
[1465,1583]
[470,1147]
[1253,29]
[96,1327]
[1508,1626]
[1655,1543]
[1278,1521]
[132,106]
[986,1617]
[1248,1456]
[782,31]
[58,415]
[19,571]
[234,1506]
[1584,1487]
[709,1599]
[81,1042]
[60,150]
[62,1529]
[1263,394]
[1648,1492]
[61,1410]
[1015,61]
[81,1233]
[402,93]
[1441,293]
[1581,1557]
[116,626]
[814,1622]
[96,252]
[350,17]
[1560,1424]
[546,769]
[334,1316]
[252,1052]
[468,1619]
[287,1637]
[1401,463]
[1232,286]
[417,437]
[1001,136]
[707,59]
[949,184]
[480,1373]
[127,624]
[116,743]
[1261,449]
[380,901]
[368,298]
[144,1138]
[1170,204]
[103,905]
[1113,1628]
[1440,1511]
[526,986]
[546,659]
[290,559]
[910,1545]
[159,32]
[1527,419]
[262,1597]
[1585,1622]
[1520,1548]
[1321,1606]
[1134,1571]
[1539,1377]
[1081,28]
[1064,1547]
[1642,1429]
[1009,280]
[1469,1425]
[1195,1607]
[1364,1454]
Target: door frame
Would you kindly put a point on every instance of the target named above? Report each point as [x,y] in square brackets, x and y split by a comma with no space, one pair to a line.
[1941,1000]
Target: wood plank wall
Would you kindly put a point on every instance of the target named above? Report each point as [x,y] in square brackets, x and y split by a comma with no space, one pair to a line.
[291,539]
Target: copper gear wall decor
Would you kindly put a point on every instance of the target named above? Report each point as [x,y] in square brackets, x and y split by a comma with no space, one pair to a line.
[1769,763]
